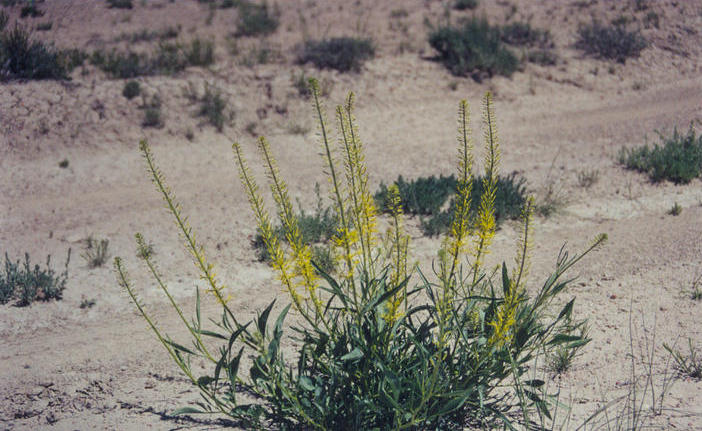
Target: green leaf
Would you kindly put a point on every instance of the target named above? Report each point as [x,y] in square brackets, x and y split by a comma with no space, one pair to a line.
[536,383]
[179,347]
[505,280]
[186,411]
[263,318]
[564,338]
[234,368]
[567,310]
[306,383]
[204,381]
[210,334]
[197,306]
[353,355]
[236,334]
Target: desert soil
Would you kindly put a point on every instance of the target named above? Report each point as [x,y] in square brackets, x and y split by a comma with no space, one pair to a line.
[67,367]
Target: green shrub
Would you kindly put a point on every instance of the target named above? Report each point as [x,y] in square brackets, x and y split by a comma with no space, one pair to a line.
[27,284]
[678,159]
[611,42]
[344,54]
[31,10]
[256,20]
[120,4]
[475,48]
[131,89]
[465,4]
[212,107]
[427,196]
[153,116]
[168,59]
[376,347]
[23,58]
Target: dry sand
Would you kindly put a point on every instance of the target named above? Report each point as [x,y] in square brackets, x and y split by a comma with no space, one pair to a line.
[64,367]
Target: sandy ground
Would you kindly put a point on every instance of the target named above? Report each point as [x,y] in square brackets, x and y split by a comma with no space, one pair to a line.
[64,367]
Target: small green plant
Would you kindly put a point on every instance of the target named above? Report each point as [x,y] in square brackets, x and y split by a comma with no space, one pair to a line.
[199,53]
[212,107]
[153,117]
[373,348]
[95,251]
[561,359]
[465,4]
[344,54]
[27,284]
[695,292]
[131,89]
[587,177]
[300,82]
[690,365]
[120,4]
[63,164]
[675,210]
[677,159]
[256,20]
[87,303]
[475,49]
[611,42]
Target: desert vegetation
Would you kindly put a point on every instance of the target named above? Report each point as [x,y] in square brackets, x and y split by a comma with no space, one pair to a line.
[25,283]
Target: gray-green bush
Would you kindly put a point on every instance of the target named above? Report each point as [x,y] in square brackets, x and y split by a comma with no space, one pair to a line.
[26,283]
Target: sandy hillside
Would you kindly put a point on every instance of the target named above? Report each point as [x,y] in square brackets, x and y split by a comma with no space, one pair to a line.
[66,367]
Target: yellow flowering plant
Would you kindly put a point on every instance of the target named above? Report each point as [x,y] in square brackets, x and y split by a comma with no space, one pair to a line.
[380,345]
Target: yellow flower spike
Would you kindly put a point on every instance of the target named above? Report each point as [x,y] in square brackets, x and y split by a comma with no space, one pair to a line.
[460,229]
[265,226]
[399,249]
[485,223]
[301,256]
[196,250]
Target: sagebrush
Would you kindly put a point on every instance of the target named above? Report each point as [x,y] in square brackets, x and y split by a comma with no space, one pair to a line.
[26,283]
[380,345]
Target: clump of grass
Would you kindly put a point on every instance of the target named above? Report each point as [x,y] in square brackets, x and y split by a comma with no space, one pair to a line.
[199,53]
[695,292]
[24,58]
[611,42]
[373,349]
[120,4]
[675,210]
[561,359]
[27,284]
[587,177]
[689,365]
[87,303]
[523,34]
[465,4]
[131,89]
[678,158]
[95,252]
[300,82]
[153,116]
[213,107]
[344,54]
[256,20]
[63,164]
[474,48]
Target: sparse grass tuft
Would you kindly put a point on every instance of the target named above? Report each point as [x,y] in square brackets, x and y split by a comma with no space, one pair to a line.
[95,252]
[344,54]
[611,42]
[689,365]
[213,106]
[256,20]
[27,284]
[675,210]
[475,49]
[561,359]
[587,177]
[677,159]
[131,89]
[523,34]
[153,117]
